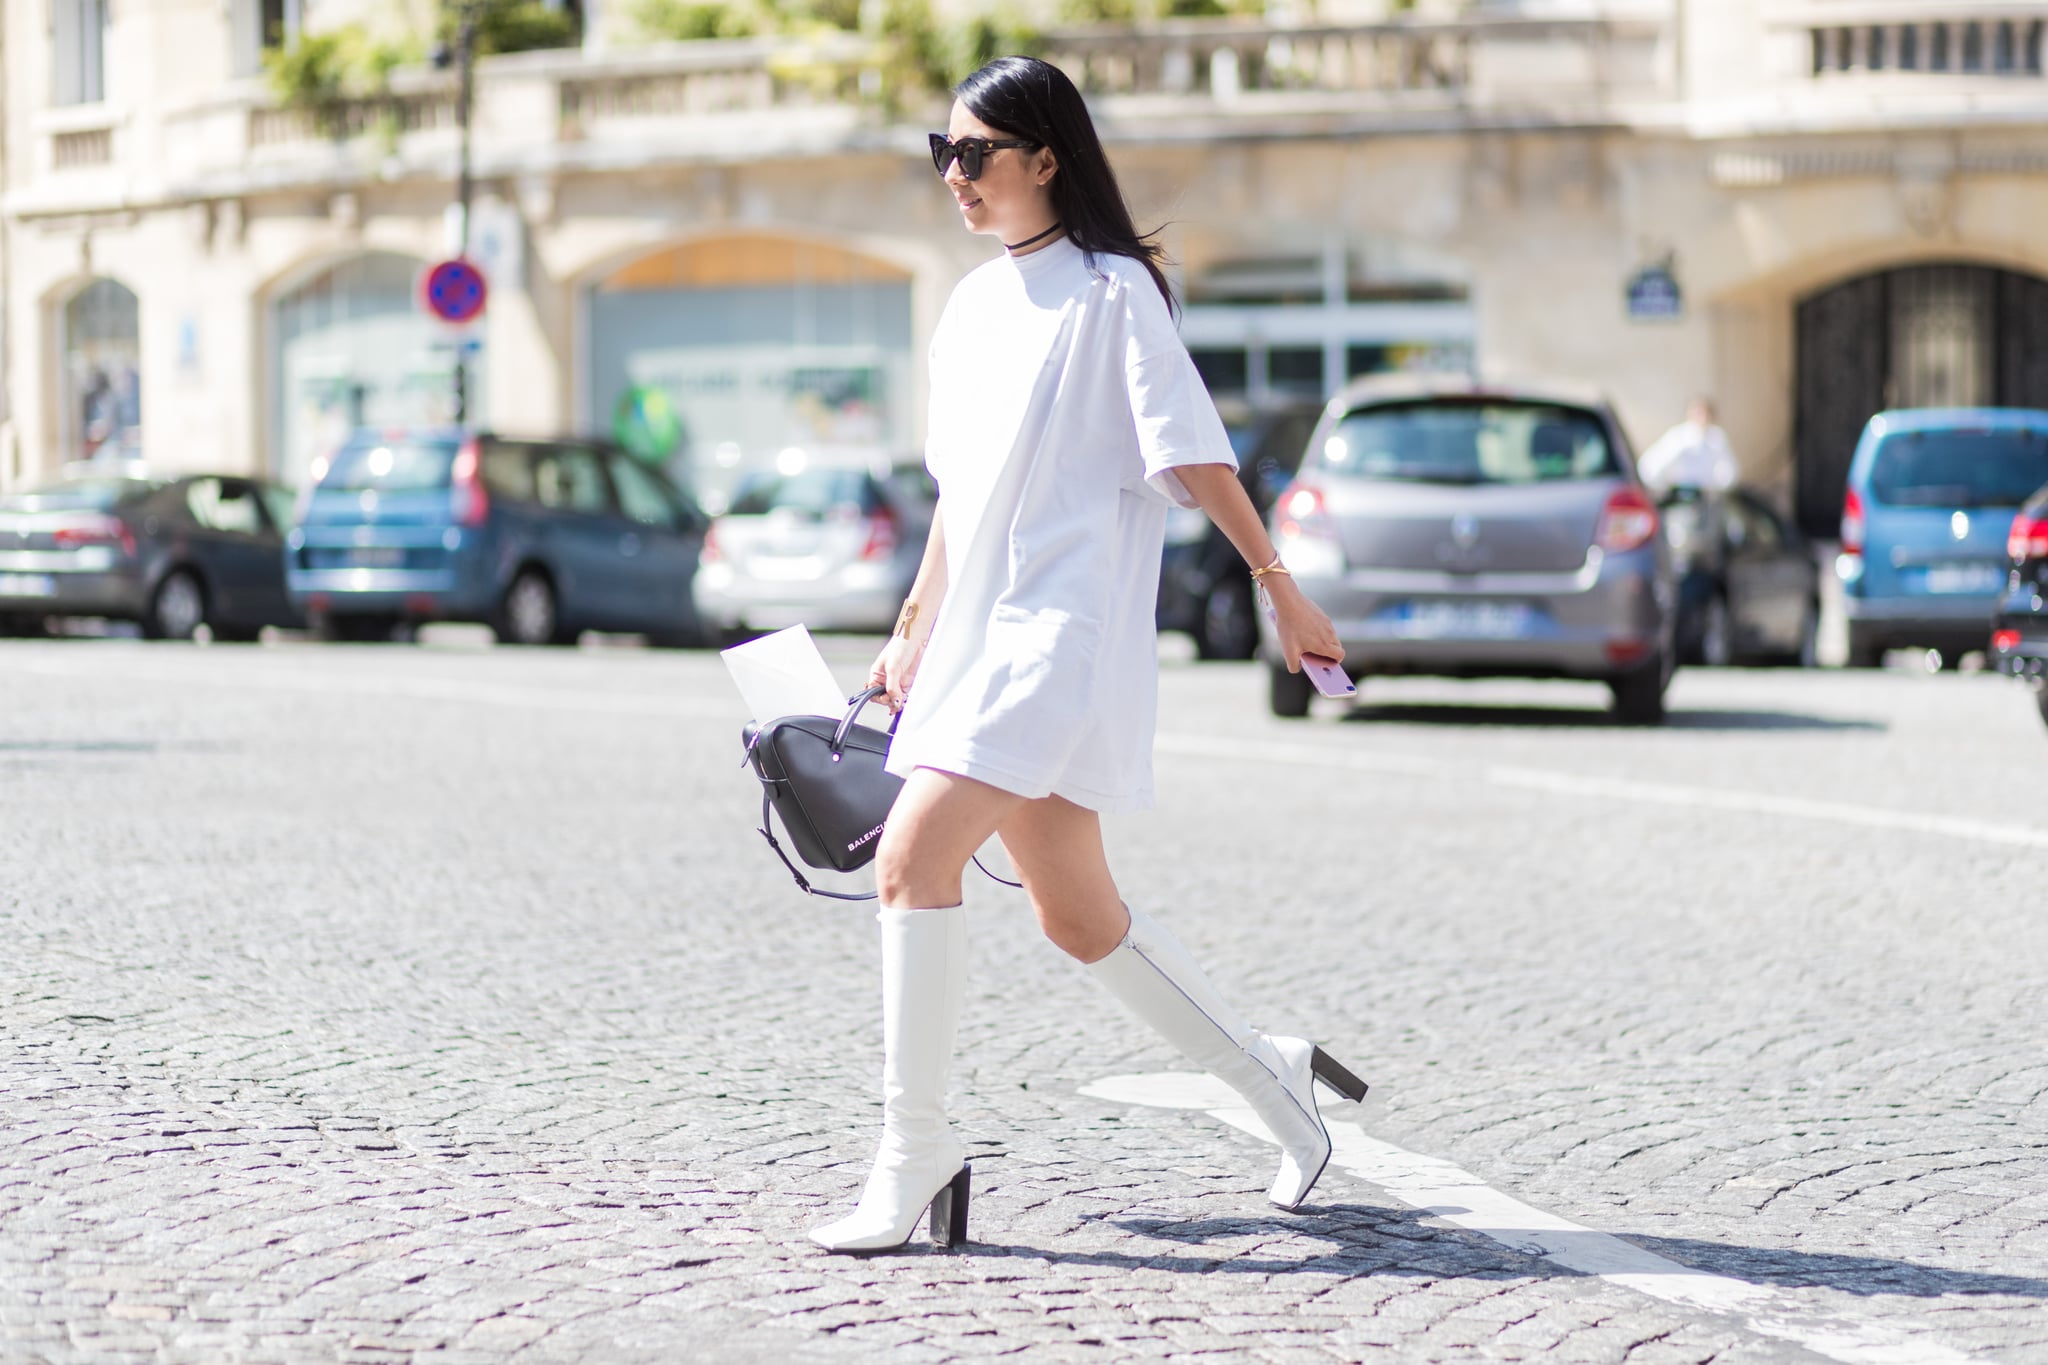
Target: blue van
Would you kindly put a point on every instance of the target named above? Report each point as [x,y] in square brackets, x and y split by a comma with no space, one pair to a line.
[538,539]
[1931,495]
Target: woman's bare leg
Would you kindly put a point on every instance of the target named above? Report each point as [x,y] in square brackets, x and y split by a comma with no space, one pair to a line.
[1057,847]
[937,823]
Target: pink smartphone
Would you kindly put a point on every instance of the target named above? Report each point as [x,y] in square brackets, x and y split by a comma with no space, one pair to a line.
[1330,680]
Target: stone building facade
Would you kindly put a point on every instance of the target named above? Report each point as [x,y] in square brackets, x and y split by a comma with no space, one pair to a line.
[1808,208]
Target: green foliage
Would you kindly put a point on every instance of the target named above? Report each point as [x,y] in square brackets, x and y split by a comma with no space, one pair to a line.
[321,73]
[690,21]
[522,26]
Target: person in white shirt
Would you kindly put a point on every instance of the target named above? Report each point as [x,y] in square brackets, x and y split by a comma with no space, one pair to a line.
[1693,454]
[1066,418]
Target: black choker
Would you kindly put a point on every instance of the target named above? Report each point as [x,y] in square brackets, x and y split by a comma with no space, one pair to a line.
[1016,246]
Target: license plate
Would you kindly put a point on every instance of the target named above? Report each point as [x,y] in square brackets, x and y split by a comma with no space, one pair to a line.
[27,585]
[777,569]
[377,557]
[1466,620]
[1962,578]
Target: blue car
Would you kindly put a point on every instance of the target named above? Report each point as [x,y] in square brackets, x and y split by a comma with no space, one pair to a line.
[540,540]
[1931,496]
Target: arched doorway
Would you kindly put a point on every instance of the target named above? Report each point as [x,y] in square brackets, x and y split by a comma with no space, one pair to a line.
[100,410]
[352,347]
[758,343]
[1948,335]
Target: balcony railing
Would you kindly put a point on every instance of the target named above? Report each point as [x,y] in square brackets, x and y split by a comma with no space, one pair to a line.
[1917,38]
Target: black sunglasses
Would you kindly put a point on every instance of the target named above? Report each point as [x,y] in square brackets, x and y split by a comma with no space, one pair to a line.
[971,151]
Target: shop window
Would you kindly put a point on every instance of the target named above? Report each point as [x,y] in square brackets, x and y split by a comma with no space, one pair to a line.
[757,345]
[101,416]
[80,44]
[350,348]
[1295,370]
[1225,369]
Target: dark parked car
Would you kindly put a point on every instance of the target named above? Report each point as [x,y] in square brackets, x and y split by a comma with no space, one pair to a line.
[538,539]
[1203,587]
[1748,583]
[198,550]
[2019,632]
[1461,529]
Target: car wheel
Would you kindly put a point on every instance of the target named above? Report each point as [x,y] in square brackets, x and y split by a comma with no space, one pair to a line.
[24,627]
[1717,638]
[528,615]
[1808,653]
[1229,627]
[238,635]
[1289,694]
[1639,696]
[177,609]
[1864,652]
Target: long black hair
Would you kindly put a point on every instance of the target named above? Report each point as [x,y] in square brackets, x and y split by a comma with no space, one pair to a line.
[1028,98]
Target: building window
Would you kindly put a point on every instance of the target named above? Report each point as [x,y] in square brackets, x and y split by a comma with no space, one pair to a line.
[101,417]
[1973,46]
[1938,59]
[1909,47]
[80,44]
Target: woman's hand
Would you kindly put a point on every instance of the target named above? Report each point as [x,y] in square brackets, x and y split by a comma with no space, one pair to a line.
[1301,624]
[896,668]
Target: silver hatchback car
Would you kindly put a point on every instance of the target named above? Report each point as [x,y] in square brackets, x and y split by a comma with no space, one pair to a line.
[1467,530]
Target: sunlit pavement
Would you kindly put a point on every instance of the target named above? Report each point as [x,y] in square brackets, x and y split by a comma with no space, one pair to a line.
[374,1003]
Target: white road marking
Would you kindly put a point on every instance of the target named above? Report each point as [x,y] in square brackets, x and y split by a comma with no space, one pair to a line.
[1607,788]
[1444,1191]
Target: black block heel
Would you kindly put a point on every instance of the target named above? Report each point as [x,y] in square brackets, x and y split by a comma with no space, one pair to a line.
[1336,1075]
[949,1212]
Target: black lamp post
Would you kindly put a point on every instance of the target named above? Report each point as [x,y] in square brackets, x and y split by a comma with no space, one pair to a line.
[464,58]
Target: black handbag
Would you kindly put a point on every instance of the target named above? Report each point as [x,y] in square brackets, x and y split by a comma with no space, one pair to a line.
[824,777]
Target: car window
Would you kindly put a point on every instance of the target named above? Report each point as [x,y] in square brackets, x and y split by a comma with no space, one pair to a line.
[1469,443]
[395,466]
[1287,441]
[1953,468]
[815,493]
[641,495]
[508,469]
[280,504]
[220,505]
[571,478]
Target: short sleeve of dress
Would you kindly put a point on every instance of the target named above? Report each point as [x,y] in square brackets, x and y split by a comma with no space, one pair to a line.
[1175,419]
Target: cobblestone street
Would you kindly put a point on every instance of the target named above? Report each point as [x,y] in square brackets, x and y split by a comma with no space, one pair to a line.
[440,1004]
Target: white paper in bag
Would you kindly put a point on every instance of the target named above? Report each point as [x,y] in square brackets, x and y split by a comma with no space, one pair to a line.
[784,675]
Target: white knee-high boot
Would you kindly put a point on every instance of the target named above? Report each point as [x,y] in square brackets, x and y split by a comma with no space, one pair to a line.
[920,1163]
[1160,983]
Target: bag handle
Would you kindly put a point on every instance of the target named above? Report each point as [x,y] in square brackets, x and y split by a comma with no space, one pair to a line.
[856,704]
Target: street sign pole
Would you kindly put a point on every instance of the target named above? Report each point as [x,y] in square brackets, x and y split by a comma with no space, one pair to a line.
[465,62]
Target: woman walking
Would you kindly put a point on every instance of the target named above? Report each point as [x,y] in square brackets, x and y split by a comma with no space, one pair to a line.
[1066,416]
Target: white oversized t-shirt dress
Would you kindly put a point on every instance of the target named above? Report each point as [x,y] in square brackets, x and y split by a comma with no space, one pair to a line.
[1062,402]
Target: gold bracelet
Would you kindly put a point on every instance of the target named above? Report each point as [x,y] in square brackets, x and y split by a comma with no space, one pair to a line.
[1275,567]
[903,621]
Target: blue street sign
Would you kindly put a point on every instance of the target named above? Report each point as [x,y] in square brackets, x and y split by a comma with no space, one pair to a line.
[454,291]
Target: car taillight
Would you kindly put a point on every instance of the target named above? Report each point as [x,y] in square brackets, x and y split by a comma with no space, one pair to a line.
[2028,538]
[1627,522]
[710,554]
[2004,641]
[95,531]
[469,503]
[882,535]
[1303,512]
[1852,523]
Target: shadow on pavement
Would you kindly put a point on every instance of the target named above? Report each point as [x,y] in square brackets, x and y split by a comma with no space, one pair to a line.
[1596,718]
[1370,1239]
